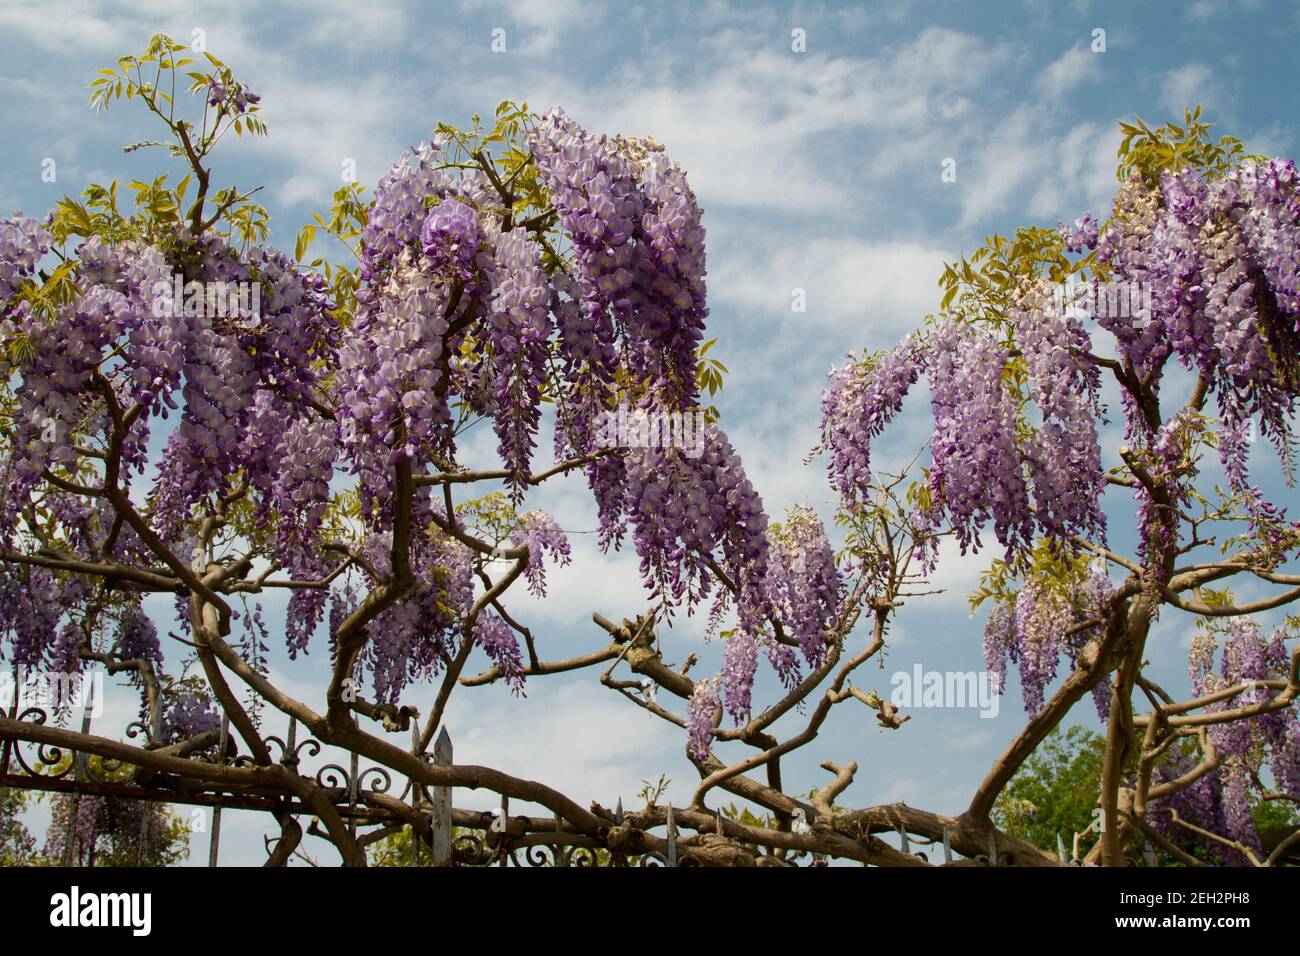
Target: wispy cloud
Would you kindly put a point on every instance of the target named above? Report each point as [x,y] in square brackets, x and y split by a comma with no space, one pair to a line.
[1072,69]
[1189,85]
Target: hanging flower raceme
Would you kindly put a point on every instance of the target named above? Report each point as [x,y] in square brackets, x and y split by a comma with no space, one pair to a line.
[109,830]
[389,387]
[740,662]
[803,583]
[539,532]
[1171,462]
[1218,264]
[30,608]
[518,330]
[703,704]
[1271,225]
[639,249]
[450,239]
[1248,656]
[1042,623]
[412,639]
[303,614]
[595,196]
[668,310]
[220,383]
[1181,276]
[594,191]
[55,394]
[137,639]
[685,508]
[1041,619]
[188,715]
[1064,455]
[291,330]
[1243,746]
[978,473]
[1200,803]
[498,641]
[1080,237]
[863,397]
[1128,249]
[694,516]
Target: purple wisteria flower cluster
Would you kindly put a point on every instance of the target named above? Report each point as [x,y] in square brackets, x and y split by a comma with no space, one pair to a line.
[518,328]
[862,398]
[416,637]
[23,243]
[539,532]
[1221,259]
[1039,626]
[190,714]
[457,309]
[231,95]
[983,472]
[1082,235]
[1214,264]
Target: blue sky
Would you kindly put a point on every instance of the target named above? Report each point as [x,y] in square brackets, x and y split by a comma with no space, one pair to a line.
[817,170]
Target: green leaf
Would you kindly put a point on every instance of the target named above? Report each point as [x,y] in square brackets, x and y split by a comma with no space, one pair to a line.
[305,239]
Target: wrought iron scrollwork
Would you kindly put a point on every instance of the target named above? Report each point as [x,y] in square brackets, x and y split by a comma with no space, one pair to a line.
[50,759]
[540,855]
[489,838]
[291,757]
[584,856]
[383,784]
[472,850]
[332,775]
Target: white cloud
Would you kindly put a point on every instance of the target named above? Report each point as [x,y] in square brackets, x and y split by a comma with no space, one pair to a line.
[1012,155]
[537,25]
[383,22]
[582,739]
[1082,178]
[747,123]
[1206,9]
[969,740]
[316,128]
[875,290]
[1059,173]
[959,574]
[1187,86]
[1074,67]
[1272,140]
[66,25]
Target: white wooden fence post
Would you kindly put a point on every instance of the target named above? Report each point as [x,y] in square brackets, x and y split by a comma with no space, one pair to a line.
[440,815]
[214,842]
[561,856]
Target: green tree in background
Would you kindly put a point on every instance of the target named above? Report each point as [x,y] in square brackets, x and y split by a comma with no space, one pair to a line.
[17,845]
[1055,794]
